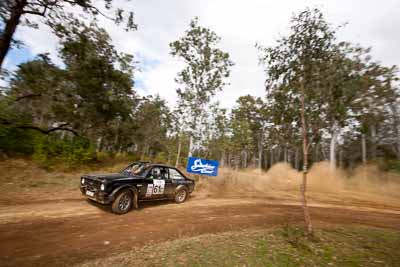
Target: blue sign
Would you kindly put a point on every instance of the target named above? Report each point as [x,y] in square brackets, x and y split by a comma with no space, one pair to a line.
[202,166]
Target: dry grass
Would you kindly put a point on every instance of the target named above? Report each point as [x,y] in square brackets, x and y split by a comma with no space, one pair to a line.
[24,175]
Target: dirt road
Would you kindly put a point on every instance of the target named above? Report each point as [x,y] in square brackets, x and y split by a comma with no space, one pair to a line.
[68,230]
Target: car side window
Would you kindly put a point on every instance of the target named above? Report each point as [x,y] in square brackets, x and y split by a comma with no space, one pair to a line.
[158,173]
[164,173]
[174,174]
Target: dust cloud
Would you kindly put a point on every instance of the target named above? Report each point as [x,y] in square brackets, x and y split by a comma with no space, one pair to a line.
[283,182]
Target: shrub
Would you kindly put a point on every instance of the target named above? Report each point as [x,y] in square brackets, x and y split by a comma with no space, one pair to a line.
[17,141]
[51,150]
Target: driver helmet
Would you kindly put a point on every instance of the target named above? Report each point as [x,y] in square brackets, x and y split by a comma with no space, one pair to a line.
[156,172]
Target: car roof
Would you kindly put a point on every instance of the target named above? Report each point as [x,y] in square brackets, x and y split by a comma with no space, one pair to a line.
[154,164]
[161,165]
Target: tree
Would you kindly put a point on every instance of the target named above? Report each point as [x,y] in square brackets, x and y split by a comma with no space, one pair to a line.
[14,13]
[205,74]
[83,98]
[247,122]
[297,63]
[154,120]
[35,97]
[101,79]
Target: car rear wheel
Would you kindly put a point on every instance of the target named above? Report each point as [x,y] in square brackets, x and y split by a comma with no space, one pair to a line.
[181,195]
[123,202]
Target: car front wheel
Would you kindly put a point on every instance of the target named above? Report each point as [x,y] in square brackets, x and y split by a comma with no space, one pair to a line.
[181,195]
[123,202]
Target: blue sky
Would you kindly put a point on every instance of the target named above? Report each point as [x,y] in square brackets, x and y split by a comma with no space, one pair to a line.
[17,56]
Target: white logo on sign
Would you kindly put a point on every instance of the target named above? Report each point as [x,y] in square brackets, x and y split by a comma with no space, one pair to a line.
[198,166]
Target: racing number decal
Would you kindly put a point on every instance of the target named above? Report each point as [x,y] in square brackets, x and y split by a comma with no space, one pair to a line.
[157,188]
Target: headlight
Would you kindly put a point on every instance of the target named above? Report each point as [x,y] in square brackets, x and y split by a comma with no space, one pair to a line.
[102,187]
[83,181]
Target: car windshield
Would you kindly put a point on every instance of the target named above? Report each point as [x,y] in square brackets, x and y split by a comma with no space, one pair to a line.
[138,169]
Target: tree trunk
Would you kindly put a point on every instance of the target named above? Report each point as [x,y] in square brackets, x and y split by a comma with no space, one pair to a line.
[272,157]
[285,154]
[323,152]
[260,151]
[396,129]
[296,160]
[190,153]
[341,158]
[237,161]
[398,145]
[223,159]
[332,150]
[99,146]
[144,151]
[303,187]
[10,28]
[265,159]
[279,154]
[178,155]
[363,149]
[373,142]
[316,159]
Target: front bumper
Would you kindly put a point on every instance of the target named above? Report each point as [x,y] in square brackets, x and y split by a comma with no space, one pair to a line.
[98,196]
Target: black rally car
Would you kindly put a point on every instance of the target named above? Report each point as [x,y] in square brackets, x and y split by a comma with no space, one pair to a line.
[140,181]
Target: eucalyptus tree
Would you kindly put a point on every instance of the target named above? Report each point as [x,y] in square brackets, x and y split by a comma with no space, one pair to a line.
[215,137]
[94,89]
[15,13]
[296,62]
[342,85]
[247,119]
[37,98]
[376,110]
[207,68]
[284,122]
[100,78]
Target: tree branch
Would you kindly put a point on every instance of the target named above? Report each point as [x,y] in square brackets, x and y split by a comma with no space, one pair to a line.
[61,127]
[48,131]
[27,96]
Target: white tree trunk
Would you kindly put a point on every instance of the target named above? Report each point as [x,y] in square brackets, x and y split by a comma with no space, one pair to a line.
[332,150]
[223,159]
[260,151]
[373,142]
[178,155]
[190,146]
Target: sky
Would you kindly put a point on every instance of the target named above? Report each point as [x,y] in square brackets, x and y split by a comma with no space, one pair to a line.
[240,24]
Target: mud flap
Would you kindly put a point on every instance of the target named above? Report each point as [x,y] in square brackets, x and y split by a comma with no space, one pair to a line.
[135,200]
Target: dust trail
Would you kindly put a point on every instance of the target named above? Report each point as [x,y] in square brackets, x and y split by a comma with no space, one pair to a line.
[282,181]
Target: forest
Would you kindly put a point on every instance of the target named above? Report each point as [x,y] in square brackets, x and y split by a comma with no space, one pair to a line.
[325,99]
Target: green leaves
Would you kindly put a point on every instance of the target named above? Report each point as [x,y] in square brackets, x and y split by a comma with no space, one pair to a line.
[206,69]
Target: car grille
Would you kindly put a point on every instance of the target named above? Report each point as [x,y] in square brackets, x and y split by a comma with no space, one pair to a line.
[92,185]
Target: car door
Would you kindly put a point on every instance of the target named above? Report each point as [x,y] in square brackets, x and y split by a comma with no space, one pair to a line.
[158,181]
[176,179]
